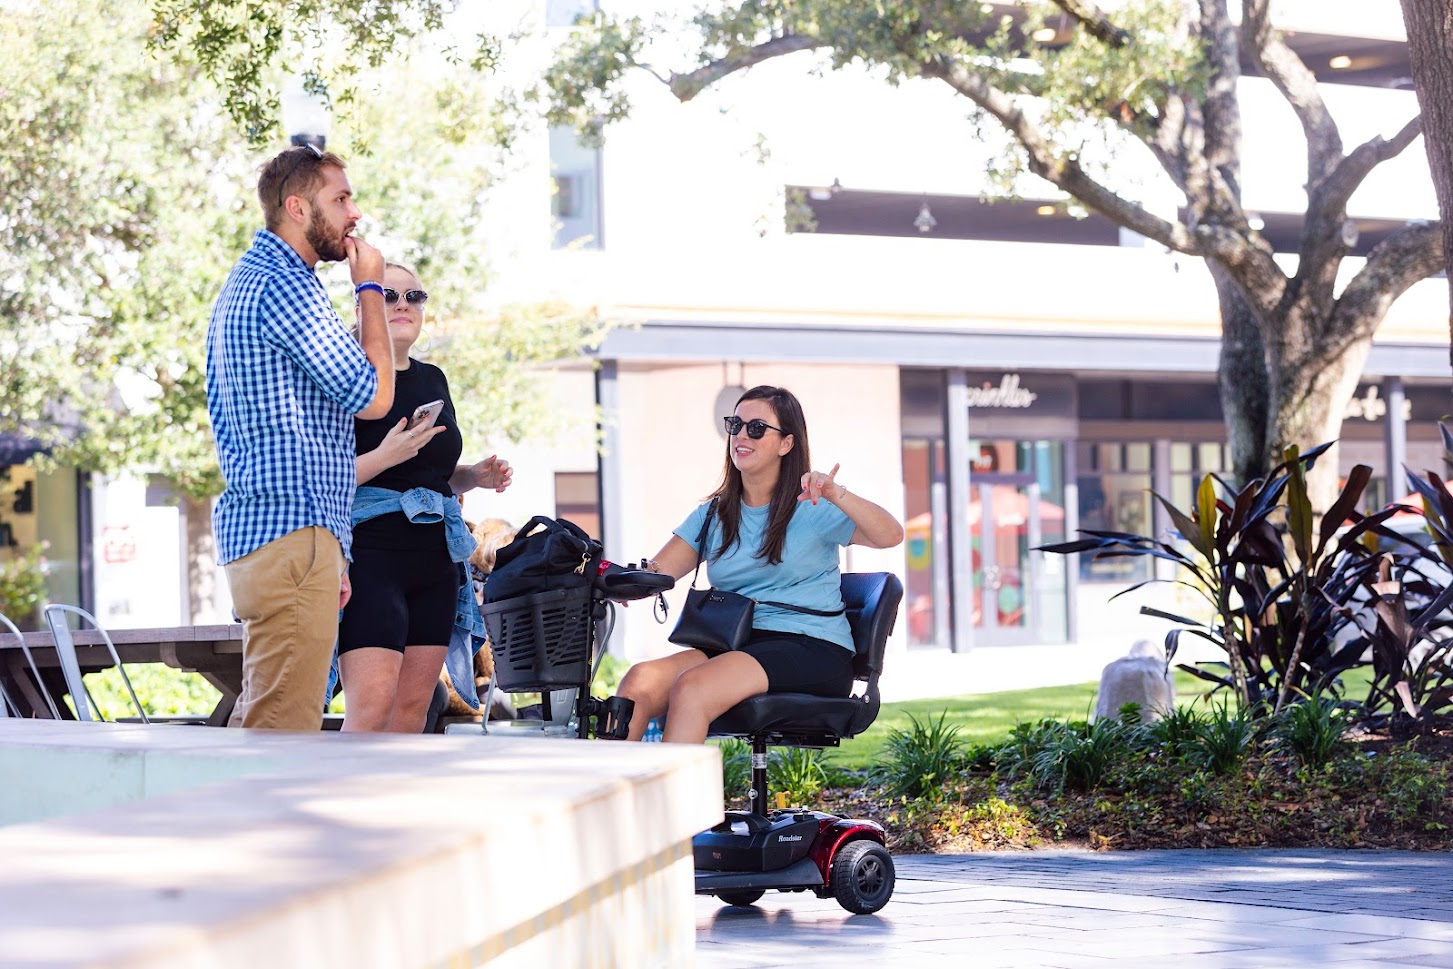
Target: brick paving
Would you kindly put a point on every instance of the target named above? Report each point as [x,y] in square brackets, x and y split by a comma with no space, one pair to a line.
[1228,909]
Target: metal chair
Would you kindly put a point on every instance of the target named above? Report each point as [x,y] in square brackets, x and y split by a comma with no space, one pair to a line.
[65,645]
[9,706]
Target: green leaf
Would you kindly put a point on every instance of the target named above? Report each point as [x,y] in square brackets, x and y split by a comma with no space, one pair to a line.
[1299,507]
[1206,517]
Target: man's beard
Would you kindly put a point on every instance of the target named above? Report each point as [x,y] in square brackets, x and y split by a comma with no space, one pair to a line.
[319,236]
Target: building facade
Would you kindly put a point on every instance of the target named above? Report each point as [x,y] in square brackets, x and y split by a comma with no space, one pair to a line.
[1002,374]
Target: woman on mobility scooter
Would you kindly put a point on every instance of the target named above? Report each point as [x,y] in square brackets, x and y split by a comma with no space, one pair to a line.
[774,533]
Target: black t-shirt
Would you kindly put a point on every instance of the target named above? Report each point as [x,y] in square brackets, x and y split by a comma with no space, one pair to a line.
[431,468]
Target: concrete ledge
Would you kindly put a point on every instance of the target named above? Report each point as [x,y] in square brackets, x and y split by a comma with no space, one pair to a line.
[345,850]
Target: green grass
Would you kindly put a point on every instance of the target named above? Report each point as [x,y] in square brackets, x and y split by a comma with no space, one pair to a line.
[986,718]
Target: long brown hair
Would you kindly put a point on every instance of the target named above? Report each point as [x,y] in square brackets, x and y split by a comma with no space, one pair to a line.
[795,463]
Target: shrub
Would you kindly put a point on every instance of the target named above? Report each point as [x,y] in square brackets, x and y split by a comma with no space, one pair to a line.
[795,774]
[608,676]
[22,586]
[921,759]
[163,691]
[1413,788]
[1177,732]
[981,757]
[1079,755]
[736,768]
[1222,741]
[1278,582]
[1312,729]
[1015,757]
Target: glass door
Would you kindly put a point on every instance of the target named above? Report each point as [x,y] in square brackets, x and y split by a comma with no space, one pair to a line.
[1016,599]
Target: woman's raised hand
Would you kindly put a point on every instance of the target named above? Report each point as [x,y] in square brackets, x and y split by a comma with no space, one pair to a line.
[399,445]
[493,472]
[817,485]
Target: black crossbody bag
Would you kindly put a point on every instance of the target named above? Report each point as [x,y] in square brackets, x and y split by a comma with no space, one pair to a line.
[716,621]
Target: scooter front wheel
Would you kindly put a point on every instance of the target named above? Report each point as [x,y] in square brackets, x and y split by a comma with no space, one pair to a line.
[744,897]
[862,877]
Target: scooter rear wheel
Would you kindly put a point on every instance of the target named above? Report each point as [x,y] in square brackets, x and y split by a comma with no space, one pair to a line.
[862,877]
[744,897]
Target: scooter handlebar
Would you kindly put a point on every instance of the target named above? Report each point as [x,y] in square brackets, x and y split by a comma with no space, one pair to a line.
[624,584]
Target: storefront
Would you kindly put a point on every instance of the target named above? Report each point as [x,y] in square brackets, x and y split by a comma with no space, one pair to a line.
[50,508]
[1033,457]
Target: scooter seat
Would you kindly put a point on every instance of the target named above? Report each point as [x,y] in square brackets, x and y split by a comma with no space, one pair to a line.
[871,600]
[797,715]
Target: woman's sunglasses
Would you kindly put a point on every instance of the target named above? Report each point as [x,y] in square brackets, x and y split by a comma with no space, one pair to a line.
[414,297]
[755,428]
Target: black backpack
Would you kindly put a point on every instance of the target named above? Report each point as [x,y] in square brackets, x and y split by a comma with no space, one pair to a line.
[548,553]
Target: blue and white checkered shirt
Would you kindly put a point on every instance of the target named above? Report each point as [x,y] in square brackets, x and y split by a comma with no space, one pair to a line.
[284,379]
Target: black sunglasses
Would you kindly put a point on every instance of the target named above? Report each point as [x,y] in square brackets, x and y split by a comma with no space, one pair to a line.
[301,153]
[755,428]
[414,297]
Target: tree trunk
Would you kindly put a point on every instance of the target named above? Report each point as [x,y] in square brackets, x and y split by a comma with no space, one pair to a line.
[1242,380]
[201,561]
[1308,402]
[1429,26]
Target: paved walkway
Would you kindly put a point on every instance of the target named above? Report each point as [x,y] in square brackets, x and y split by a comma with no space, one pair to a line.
[1131,910]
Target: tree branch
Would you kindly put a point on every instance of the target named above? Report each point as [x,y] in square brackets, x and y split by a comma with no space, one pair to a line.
[1349,174]
[1411,253]
[1322,245]
[1168,143]
[688,86]
[1199,143]
[1251,267]
[1096,22]
[1298,85]
[1222,107]
[1064,173]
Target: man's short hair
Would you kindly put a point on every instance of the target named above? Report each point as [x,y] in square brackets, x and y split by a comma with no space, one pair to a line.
[296,171]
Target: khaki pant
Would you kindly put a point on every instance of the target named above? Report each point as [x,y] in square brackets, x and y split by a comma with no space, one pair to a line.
[286,594]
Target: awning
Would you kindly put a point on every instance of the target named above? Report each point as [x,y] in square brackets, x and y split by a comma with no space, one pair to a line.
[16,448]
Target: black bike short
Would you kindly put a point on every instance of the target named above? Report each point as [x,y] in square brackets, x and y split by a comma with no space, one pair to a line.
[401,597]
[796,663]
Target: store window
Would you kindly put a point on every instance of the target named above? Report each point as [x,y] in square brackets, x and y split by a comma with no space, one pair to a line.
[1189,463]
[924,488]
[1114,484]
[43,509]
[576,202]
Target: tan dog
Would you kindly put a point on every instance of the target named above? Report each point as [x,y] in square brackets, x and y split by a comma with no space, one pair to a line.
[491,535]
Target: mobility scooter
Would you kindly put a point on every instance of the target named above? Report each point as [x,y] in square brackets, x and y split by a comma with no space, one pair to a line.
[554,639]
[795,850]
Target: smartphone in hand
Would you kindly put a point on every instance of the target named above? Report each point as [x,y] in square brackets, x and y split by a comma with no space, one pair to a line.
[425,415]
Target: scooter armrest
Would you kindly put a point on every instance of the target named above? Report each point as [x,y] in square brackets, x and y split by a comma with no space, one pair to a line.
[623,584]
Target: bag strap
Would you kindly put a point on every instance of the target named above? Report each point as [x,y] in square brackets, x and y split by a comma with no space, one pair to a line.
[700,550]
[810,612]
[701,540]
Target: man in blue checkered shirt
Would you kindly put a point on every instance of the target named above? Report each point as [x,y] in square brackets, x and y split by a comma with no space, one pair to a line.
[284,382]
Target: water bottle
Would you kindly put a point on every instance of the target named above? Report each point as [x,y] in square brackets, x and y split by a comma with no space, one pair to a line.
[653,731]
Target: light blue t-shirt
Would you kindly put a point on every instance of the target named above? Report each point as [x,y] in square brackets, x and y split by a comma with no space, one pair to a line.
[807,576]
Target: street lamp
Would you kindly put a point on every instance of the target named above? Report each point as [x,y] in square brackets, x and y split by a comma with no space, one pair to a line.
[306,117]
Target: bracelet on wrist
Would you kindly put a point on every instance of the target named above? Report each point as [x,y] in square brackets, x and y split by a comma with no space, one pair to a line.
[377,287]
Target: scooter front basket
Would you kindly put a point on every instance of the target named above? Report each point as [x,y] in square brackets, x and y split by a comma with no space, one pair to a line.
[541,641]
